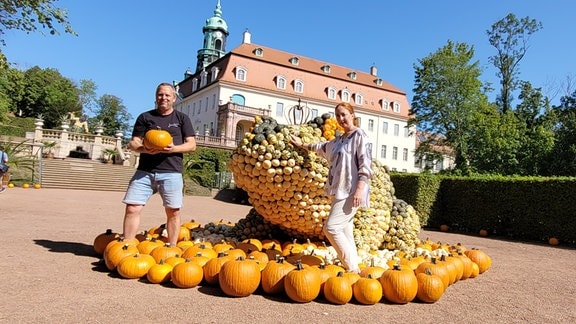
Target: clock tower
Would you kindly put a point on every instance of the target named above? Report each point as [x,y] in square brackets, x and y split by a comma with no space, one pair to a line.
[215,33]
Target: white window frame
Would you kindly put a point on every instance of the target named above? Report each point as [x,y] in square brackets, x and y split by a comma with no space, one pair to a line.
[385,127]
[345,95]
[396,107]
[298,86]
[385,105]
[358,99]
[281,82]
[370,125]
[241,73]
[332,93]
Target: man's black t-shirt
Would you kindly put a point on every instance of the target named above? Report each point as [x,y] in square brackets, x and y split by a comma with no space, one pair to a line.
[178,125]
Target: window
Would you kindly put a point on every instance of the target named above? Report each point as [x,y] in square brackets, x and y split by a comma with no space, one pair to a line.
[200,107]
[352,75]
[194,84]
[394,153]
[383,152]
[359,121]
[215,71]
[385,105]
[213,101]
[281,82]
[241,73]
[298,86]
[385,127]
[439,164]
[294,60]
[406,131]
[345,94]
[326,68]
[370,125]
[331,93]
[279,109]
[396,107]
[378,81]
[359,99]
[206,107]
[314,113]
[405,154]
[203,78]
[193,108]
[396,129]
[259,52]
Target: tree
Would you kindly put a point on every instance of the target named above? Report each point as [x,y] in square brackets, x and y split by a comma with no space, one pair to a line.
[30,15]
[536,126]
[112,114]
[510,37]
[562,158]
[447,93]
[48,93]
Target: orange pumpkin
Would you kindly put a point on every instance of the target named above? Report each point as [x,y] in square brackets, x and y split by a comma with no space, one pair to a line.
[102,240]
[338,290]
[367,290]
[157,139]
[240,277]
[479,257]
[165,251]
[272,280]
[187,274]
[430,287]
[159,273]
[135,266]
[213,266]
[302,285]
[116,253]
[399,285]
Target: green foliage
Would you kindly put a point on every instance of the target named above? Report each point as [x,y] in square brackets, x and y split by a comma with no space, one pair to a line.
[113,115]
[32,15]
[419,190]
[561,160]
[48,93]
[510,36]
[447,94]
[201,165]
[22,163]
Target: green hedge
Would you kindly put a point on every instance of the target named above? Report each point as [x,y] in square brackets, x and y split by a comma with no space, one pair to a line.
[521,208]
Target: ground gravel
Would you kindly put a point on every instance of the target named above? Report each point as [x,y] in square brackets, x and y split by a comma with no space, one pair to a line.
[49,274]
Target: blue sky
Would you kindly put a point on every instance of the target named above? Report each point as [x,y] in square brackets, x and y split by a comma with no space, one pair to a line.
[128,47]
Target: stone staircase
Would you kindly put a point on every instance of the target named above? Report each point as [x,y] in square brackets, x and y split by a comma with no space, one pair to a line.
[82,174]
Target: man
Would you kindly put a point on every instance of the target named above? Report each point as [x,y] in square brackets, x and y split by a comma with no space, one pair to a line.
[159,170]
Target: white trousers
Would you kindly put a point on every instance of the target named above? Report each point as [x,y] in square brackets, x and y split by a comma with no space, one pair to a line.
[339,230]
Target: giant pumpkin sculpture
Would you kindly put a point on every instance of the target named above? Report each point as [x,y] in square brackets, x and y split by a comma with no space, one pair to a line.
[285,185]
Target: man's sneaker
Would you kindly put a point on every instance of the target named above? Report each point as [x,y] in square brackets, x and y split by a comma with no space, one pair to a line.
[2,189]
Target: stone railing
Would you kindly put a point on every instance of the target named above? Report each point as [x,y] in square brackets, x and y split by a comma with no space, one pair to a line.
[93,146]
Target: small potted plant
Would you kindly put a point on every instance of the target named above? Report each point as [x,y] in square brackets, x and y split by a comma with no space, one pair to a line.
[48,150]
[108,154]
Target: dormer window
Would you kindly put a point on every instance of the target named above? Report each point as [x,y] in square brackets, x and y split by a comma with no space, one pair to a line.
[352,75]
[298,86]
[396,107]
[331,92]
[294,60]
[385,105]
[358,99]
[194,84]
[281,82]
[214,71]
[379,81]
[259,52]
[345,94]
[241,73]
[326,68]
[203,78]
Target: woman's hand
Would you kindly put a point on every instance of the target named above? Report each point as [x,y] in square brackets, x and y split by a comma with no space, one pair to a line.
[295,140]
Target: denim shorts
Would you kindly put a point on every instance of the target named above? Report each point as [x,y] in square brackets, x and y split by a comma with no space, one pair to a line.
[144,184]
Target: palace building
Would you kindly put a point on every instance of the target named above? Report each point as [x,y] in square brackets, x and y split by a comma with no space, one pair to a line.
[229,88]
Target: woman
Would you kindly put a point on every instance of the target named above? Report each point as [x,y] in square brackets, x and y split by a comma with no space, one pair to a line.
[350,159]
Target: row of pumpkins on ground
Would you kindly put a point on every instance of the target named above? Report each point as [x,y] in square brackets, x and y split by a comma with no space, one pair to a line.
[291,268]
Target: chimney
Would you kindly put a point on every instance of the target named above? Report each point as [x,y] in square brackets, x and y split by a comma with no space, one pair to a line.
[246,37]
[373,70]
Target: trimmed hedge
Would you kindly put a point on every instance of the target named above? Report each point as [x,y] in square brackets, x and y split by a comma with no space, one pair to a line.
[520,208]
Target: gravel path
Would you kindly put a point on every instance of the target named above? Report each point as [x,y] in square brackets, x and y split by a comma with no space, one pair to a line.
[50,275]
